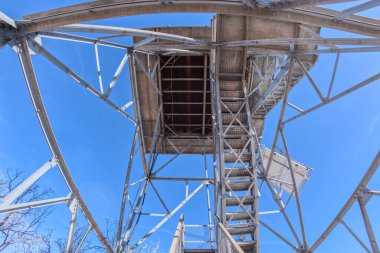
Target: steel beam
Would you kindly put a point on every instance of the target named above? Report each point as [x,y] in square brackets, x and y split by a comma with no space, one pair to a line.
[272,86]
[340,50]
[358,8]
[13,195]
[81,39]
[168,216]
[336,97]
[295,191]
[98,68]
[125,192]
[355,236]
[304,41]
[34,204]
[278,235]
[313,16]
[7,20]
[40,50]
[31,81]
[368,227]
[280,5]
[83,239]
[73,207]
[367,177]
[86,28]
[116,75]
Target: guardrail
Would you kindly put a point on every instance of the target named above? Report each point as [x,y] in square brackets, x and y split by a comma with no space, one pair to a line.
[177,243]
[225,242]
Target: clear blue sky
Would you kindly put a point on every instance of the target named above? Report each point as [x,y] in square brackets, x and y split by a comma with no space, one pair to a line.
[339,141]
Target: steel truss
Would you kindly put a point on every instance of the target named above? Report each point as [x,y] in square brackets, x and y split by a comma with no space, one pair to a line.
[239,173]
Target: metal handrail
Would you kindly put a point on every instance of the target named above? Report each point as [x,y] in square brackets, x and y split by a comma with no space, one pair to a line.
[225,242]
[177,243]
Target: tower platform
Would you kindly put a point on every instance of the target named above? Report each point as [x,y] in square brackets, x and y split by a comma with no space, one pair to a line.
[183,78]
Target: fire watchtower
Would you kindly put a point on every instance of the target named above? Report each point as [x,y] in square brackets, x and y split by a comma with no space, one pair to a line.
[202,91]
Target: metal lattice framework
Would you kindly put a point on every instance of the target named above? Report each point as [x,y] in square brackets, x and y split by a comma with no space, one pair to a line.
[238,99]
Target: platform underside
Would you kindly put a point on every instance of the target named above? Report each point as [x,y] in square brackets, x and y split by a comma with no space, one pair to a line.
[183,80]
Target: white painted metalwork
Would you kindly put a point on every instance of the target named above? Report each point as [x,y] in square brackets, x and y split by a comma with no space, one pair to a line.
[266,76]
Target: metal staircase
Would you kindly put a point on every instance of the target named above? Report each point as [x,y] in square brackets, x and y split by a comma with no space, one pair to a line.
[236,143]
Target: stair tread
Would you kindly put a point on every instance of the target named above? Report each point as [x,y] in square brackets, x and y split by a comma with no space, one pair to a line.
[234,172]
[240,186]
[241,230]
[234,202]
[240,215]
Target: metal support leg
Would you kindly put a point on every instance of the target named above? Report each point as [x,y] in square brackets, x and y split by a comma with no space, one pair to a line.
[31,81]
[300,216]
[368,227]
[74,213]
[125,191]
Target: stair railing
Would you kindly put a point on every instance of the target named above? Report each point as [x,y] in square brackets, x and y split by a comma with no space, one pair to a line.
[177,243]
[225,242]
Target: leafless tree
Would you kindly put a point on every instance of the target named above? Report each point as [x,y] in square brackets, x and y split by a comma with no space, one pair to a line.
[19,230]
[88,244]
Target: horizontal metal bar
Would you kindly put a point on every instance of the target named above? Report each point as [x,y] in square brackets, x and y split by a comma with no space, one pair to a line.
[183,79]
[87,28]
[34,204]
[82,39]
[187,125]
[185,114]
[340,50]
[304,41]
[374,192]
[153,214]
[183,67]
[184,91]
[181,179]
[185,103]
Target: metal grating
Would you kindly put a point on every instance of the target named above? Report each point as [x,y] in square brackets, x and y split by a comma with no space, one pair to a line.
[185,89]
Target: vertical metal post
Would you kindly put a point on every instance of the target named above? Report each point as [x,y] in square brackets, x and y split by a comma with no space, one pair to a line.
[300,216]
[253,145]
[125,190]
[98,68]
[73,207]
[135,95]
[368,227]
[204,94]
[208,198]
